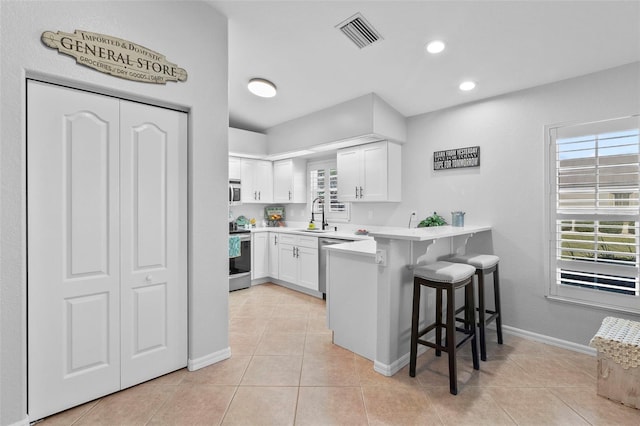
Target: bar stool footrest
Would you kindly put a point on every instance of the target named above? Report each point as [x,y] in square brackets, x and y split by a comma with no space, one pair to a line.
[432,345]
[493,315]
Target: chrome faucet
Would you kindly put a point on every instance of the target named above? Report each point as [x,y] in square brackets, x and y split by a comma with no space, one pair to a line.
[324,222]
[313,203]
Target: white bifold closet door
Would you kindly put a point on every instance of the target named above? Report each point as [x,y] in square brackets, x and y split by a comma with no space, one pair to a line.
[107,245]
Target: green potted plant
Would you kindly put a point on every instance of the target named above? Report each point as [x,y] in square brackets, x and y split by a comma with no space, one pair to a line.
[434,220]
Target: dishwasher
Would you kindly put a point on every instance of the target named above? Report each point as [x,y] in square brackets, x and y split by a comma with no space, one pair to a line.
[322,261]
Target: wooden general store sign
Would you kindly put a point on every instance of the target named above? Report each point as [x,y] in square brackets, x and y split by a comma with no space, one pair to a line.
[456,158]
[115,56]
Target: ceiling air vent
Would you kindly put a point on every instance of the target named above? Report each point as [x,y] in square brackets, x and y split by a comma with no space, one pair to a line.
[359,31]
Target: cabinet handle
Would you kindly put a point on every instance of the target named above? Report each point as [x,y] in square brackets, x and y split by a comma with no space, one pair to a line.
[149,278]
[361,194]
[289,195]
[356,192]
[294,252]
[275,240]
[255,195]
[297,252]
[259,195]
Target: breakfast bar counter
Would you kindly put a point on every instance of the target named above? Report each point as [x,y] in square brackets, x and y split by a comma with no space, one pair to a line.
[370,288]
[431,233]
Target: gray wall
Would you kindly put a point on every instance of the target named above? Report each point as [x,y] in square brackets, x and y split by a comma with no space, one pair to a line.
[192,35]
[507,190]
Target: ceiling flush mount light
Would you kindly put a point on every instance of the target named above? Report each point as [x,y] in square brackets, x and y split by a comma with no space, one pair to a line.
[465,86]
[435,46]
[261,87]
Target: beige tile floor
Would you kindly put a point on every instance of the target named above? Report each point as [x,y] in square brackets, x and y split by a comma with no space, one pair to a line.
[285,370]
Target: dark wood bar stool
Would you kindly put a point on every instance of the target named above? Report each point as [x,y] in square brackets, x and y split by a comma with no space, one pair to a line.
[448,277]
[485,264]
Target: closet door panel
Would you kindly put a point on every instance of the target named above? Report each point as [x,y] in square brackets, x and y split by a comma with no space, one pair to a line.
[87,192]
[150,321]
[154,271]
[149,145]
[73,242]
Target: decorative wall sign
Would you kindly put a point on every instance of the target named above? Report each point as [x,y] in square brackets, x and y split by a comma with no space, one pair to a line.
[115,56]
[456,158]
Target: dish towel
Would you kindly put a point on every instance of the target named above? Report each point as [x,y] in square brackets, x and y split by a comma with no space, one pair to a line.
[234,246]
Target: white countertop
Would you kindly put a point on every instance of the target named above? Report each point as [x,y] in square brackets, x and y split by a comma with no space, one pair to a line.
[343,235]
[429,233]
[367,247]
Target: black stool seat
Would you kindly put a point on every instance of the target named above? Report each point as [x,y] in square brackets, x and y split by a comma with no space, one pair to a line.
[444,276]
[485,264]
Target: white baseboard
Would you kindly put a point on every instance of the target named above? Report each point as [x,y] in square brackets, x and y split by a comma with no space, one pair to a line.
[564,344]
[207,360]
[397,365]
[23,422]
[296,287]
[391,369]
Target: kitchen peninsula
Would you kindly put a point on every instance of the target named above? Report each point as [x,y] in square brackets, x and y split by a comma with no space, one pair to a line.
[370,288]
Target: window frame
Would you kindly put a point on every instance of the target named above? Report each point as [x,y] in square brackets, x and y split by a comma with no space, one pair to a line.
[566,293]
[328,163]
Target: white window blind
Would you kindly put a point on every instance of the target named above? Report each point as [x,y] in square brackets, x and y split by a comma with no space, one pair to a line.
[595,212]
[323,184]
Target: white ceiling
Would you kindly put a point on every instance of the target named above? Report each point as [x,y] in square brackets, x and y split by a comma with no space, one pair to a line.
[503,45]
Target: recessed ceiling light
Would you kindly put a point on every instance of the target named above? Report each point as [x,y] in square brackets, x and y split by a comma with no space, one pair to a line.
[465,86]
[435,46]
[261,87]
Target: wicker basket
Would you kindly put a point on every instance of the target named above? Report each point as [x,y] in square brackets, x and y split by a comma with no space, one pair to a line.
[618,344]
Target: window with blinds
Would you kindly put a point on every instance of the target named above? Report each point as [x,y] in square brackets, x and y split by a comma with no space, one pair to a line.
[595,212]
[323,184]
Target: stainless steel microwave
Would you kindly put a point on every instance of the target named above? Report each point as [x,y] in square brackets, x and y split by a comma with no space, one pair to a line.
[234,192]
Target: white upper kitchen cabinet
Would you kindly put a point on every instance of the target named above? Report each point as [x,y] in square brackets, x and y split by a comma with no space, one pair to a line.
[370,172]
[257,181]
[235,168]
[290,181]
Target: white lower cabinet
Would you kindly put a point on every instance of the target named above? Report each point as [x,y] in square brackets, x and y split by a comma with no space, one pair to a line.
[298,260]
[274,255]
[286,257]
[259,255]
[287,262]
[308,266]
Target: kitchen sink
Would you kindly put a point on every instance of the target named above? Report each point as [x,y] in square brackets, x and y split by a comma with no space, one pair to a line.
[317,231]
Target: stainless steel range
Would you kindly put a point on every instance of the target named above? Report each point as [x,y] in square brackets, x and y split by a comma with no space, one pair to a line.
[240,266]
